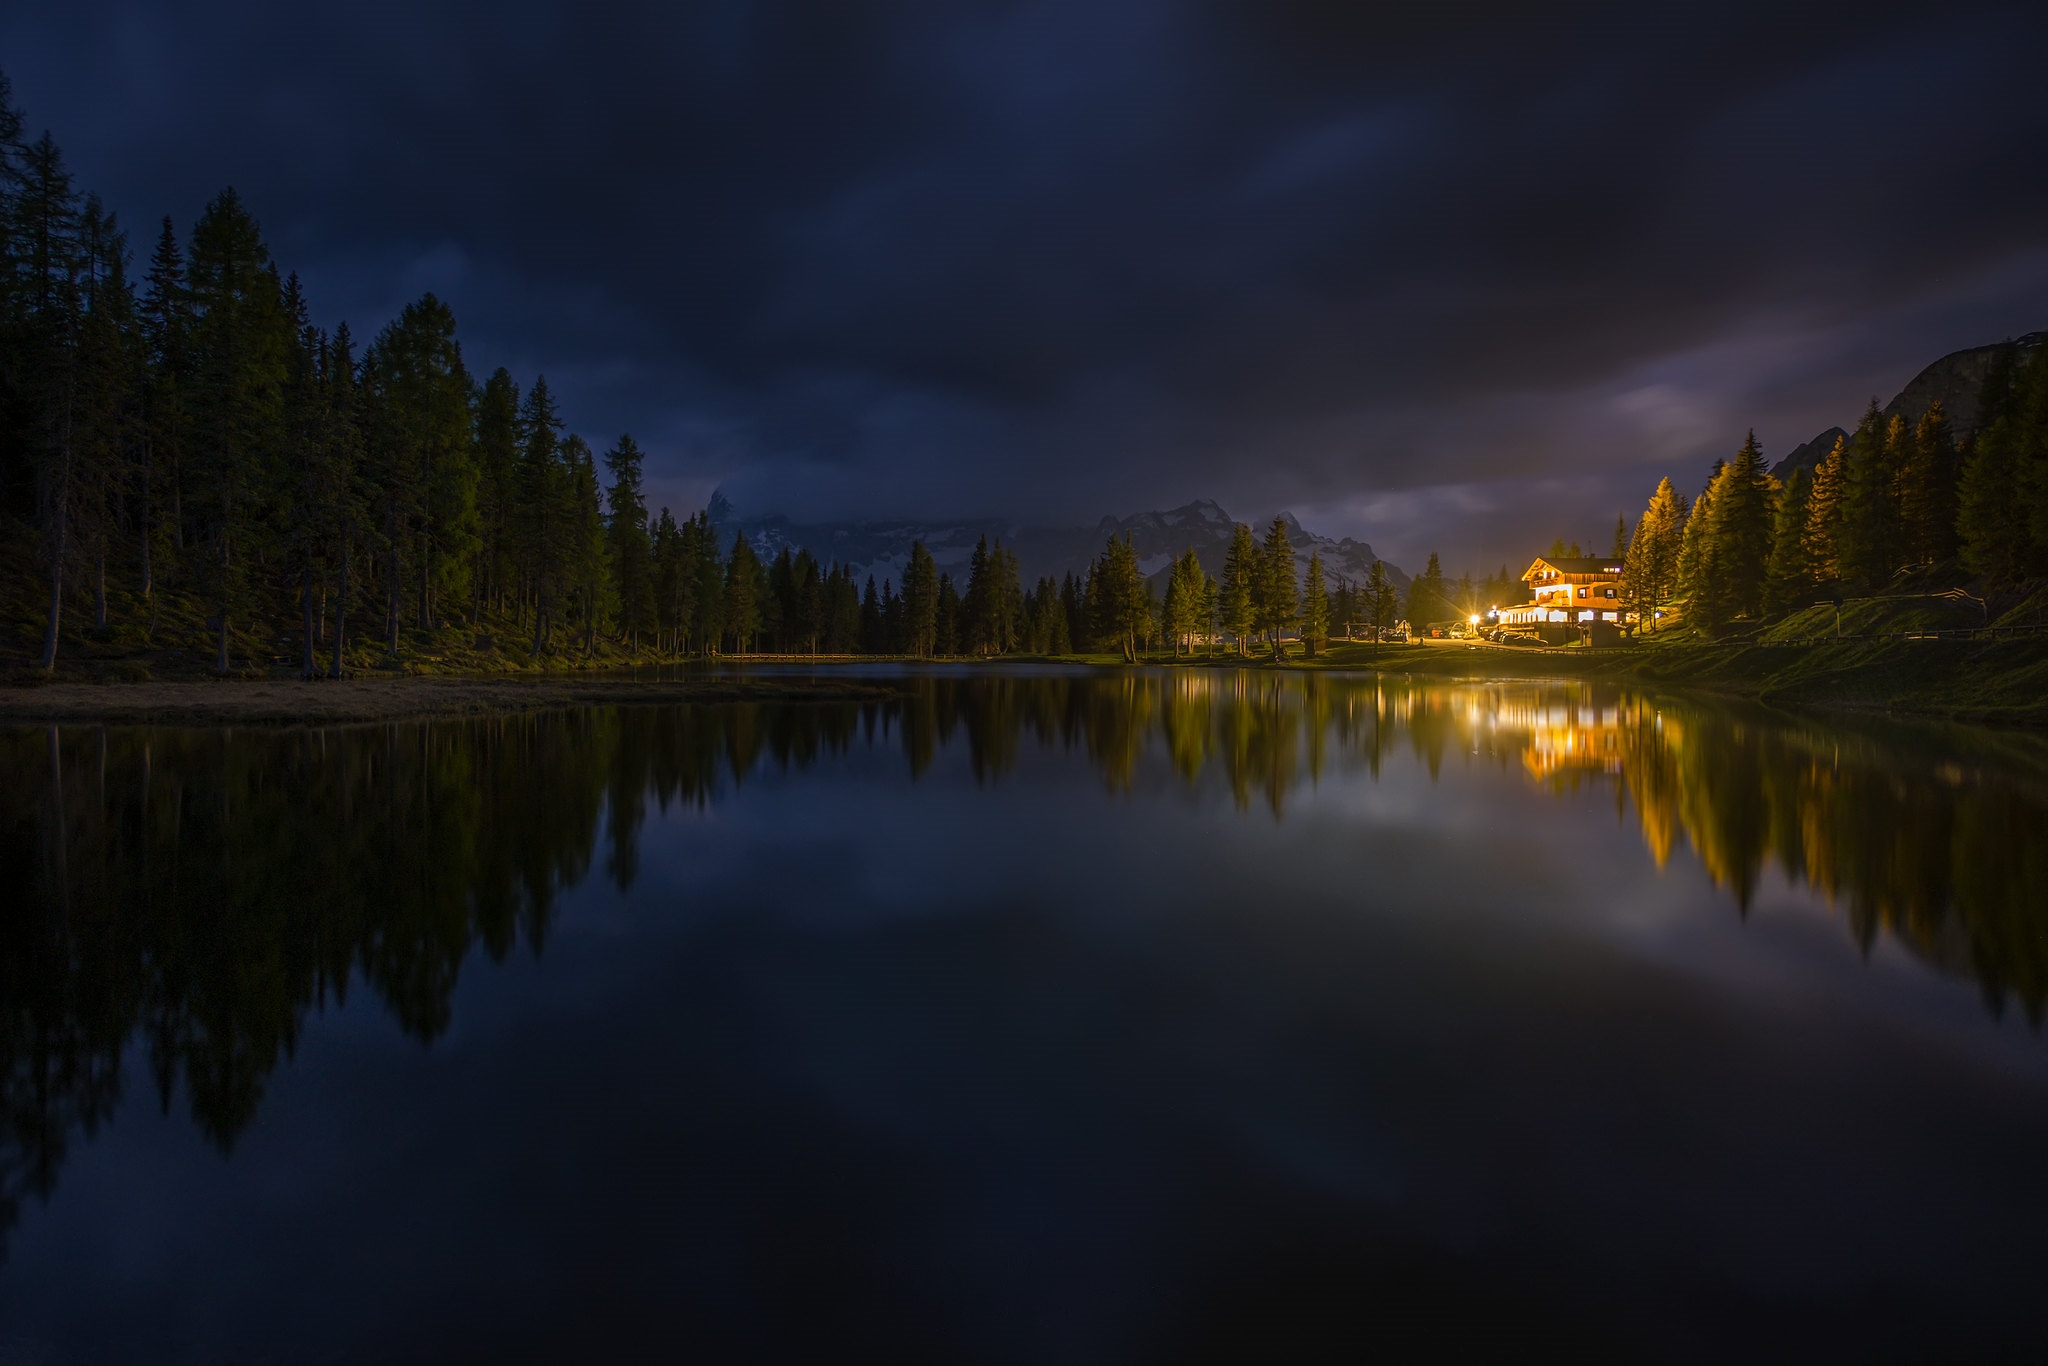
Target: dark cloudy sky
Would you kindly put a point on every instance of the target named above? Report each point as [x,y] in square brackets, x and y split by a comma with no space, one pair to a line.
[1442,276]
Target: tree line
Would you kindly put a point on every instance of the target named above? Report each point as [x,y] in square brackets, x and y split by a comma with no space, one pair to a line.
[185,442]
[1892,496]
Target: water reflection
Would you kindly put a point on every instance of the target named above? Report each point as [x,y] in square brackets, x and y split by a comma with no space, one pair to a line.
[183,899]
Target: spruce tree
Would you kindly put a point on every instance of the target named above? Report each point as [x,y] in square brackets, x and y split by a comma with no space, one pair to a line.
[1650,569]
[1789,581]
[1426,599]
[240,342]
[1379,593]
[166,328]
[631,552]
[1237,605]
[977,612]
[920,604]
[1315,607]
[1738,540]
[541,525]
[744,583]
[1276,594]
[1824,514]
[422,442]
[1929,497]
[497,450]
[1694,568]
[1867,535]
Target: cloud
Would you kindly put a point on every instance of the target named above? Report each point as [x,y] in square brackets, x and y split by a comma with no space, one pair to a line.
[921,257]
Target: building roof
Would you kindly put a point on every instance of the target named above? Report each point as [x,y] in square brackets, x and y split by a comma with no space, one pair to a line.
[1604,564]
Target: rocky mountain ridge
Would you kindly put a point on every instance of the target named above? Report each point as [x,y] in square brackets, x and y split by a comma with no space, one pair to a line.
[882,547]
[1957,379]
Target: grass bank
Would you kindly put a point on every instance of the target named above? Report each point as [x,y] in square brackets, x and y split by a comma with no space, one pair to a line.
[345,701]
[2001,682]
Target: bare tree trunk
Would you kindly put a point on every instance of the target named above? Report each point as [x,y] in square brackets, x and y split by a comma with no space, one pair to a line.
[220,664]
[99,587]
[391,588]
[306,668]
[49,660]
[340,609]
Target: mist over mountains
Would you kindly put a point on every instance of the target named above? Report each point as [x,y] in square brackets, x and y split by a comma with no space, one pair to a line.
[882,548]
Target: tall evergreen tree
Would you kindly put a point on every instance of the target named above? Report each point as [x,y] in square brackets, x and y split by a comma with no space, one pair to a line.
[542,526]
[497,452]
[631,551]
[1738,540]
[1789,580]
[1650,569]
[1929,493]
[1868,533]
[1695,566]
[422,442]
[1824,514]
[920,599]
[1315,607]
[1237,607]
[241,339]
[1427,601]
[1275,592]
[744,583]
[166,328]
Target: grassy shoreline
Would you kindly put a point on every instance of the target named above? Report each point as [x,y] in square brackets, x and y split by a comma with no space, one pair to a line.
[2003,682]
[360,700]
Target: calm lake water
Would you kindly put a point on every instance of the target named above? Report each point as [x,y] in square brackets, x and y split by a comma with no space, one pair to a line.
[1067,1018]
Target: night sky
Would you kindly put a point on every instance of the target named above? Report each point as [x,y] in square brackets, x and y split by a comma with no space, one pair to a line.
[1433,275]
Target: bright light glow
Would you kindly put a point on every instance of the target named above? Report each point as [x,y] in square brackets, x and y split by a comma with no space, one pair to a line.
[1472,620]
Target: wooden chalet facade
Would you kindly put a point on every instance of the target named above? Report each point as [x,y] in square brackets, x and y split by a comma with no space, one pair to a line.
[1569,592]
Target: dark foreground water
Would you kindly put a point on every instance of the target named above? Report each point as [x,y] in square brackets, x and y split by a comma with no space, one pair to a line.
[1082,1018]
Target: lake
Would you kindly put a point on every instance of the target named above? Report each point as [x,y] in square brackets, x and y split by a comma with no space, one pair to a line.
[1029,1016]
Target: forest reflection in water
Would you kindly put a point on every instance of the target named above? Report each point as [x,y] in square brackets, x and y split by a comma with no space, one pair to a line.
[183,898]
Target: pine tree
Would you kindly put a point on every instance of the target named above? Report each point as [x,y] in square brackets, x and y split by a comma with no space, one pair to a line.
[1695,568]
[1426,600]
[946,632]
[1650,569]
[1824,514]
[497,449]
[631,552]
[1379,593]
[920,603]
[1789,581]
[1868,533]
[422,442]
[1991,520]
[1315,607]
[343,494]
[1275,594]
[1928,493]
[1621,536]
[166,328]
[1006,600]
[1122,606]
[977,611]
[240,342]
[743,586]
[1738,534]
[1237,606]
[541,526]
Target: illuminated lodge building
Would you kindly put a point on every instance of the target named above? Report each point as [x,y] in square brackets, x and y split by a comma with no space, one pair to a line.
[1569,592]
